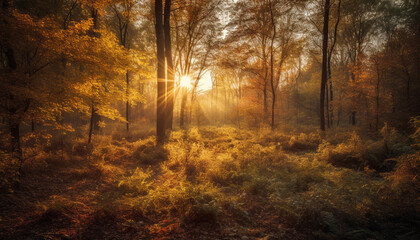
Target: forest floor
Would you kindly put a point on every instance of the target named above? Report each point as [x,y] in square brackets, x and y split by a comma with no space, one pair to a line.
[218,183]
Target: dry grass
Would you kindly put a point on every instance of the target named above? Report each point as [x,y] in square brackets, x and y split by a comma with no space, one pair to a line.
[231,183]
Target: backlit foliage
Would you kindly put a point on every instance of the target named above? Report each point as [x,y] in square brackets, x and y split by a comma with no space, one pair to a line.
[204,119]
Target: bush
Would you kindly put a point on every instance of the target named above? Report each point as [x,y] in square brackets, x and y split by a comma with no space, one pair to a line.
[347,154]
[415,122]
[405,179]
[259,186]
[138,182]
[303,142]
[82,148]
[58,208]
[358,154]
[148,153]
[192,203]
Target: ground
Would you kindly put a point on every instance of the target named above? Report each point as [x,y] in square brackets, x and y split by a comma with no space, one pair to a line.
[217,183]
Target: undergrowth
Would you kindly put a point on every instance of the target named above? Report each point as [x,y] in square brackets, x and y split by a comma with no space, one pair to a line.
[292,184]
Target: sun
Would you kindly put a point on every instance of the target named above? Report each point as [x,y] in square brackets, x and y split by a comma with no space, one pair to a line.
[185,82]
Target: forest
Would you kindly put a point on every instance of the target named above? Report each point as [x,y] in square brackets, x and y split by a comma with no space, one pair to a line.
[209,119]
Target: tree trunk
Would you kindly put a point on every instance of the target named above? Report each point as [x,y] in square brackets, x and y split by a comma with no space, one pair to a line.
[226,105]
[141,104]
[324,62]
[170,69]
[327,107]
[265,101]
[353,118]
[273,88]
[211,105]
[127,106]
[91,125]
[377,96]
[15,133]
[96,117]
[330,107]
[161,84]
[183,105]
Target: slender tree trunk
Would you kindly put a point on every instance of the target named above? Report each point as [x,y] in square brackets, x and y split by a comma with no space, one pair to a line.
[190,111]
[32,125]
[265,85]
[377,108]
[324,62]
[183,105]
[15,133]
[339,110]
[273,85]
[127,106]
[408,89]
[211,105]
[170,69]
[161,84]
[91,125]
[96,116]
[265,101]
[327,107]
[330,107]
[141,104]
[14,122]
[378,79]
[226,105]
[217,103]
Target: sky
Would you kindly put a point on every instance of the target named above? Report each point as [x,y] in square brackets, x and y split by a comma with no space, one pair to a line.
[205,82]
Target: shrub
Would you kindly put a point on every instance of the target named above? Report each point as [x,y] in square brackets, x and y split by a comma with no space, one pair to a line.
[58,208]
[415,122]
[138,182]
[82,148]
[148,153]
[374,155]
[225,170]
[194,135]
[192,203]
[303,142]
[347,154]
[259,186]
[405,179]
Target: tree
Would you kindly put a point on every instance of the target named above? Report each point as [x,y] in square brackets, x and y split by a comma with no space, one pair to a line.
[324,76]
[54,68]
[161,83]
[123,11]
[195,38]
[170,71]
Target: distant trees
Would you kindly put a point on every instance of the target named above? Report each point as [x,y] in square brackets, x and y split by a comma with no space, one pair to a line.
[356,78]
[196,34]
[125,13]
[271,28]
